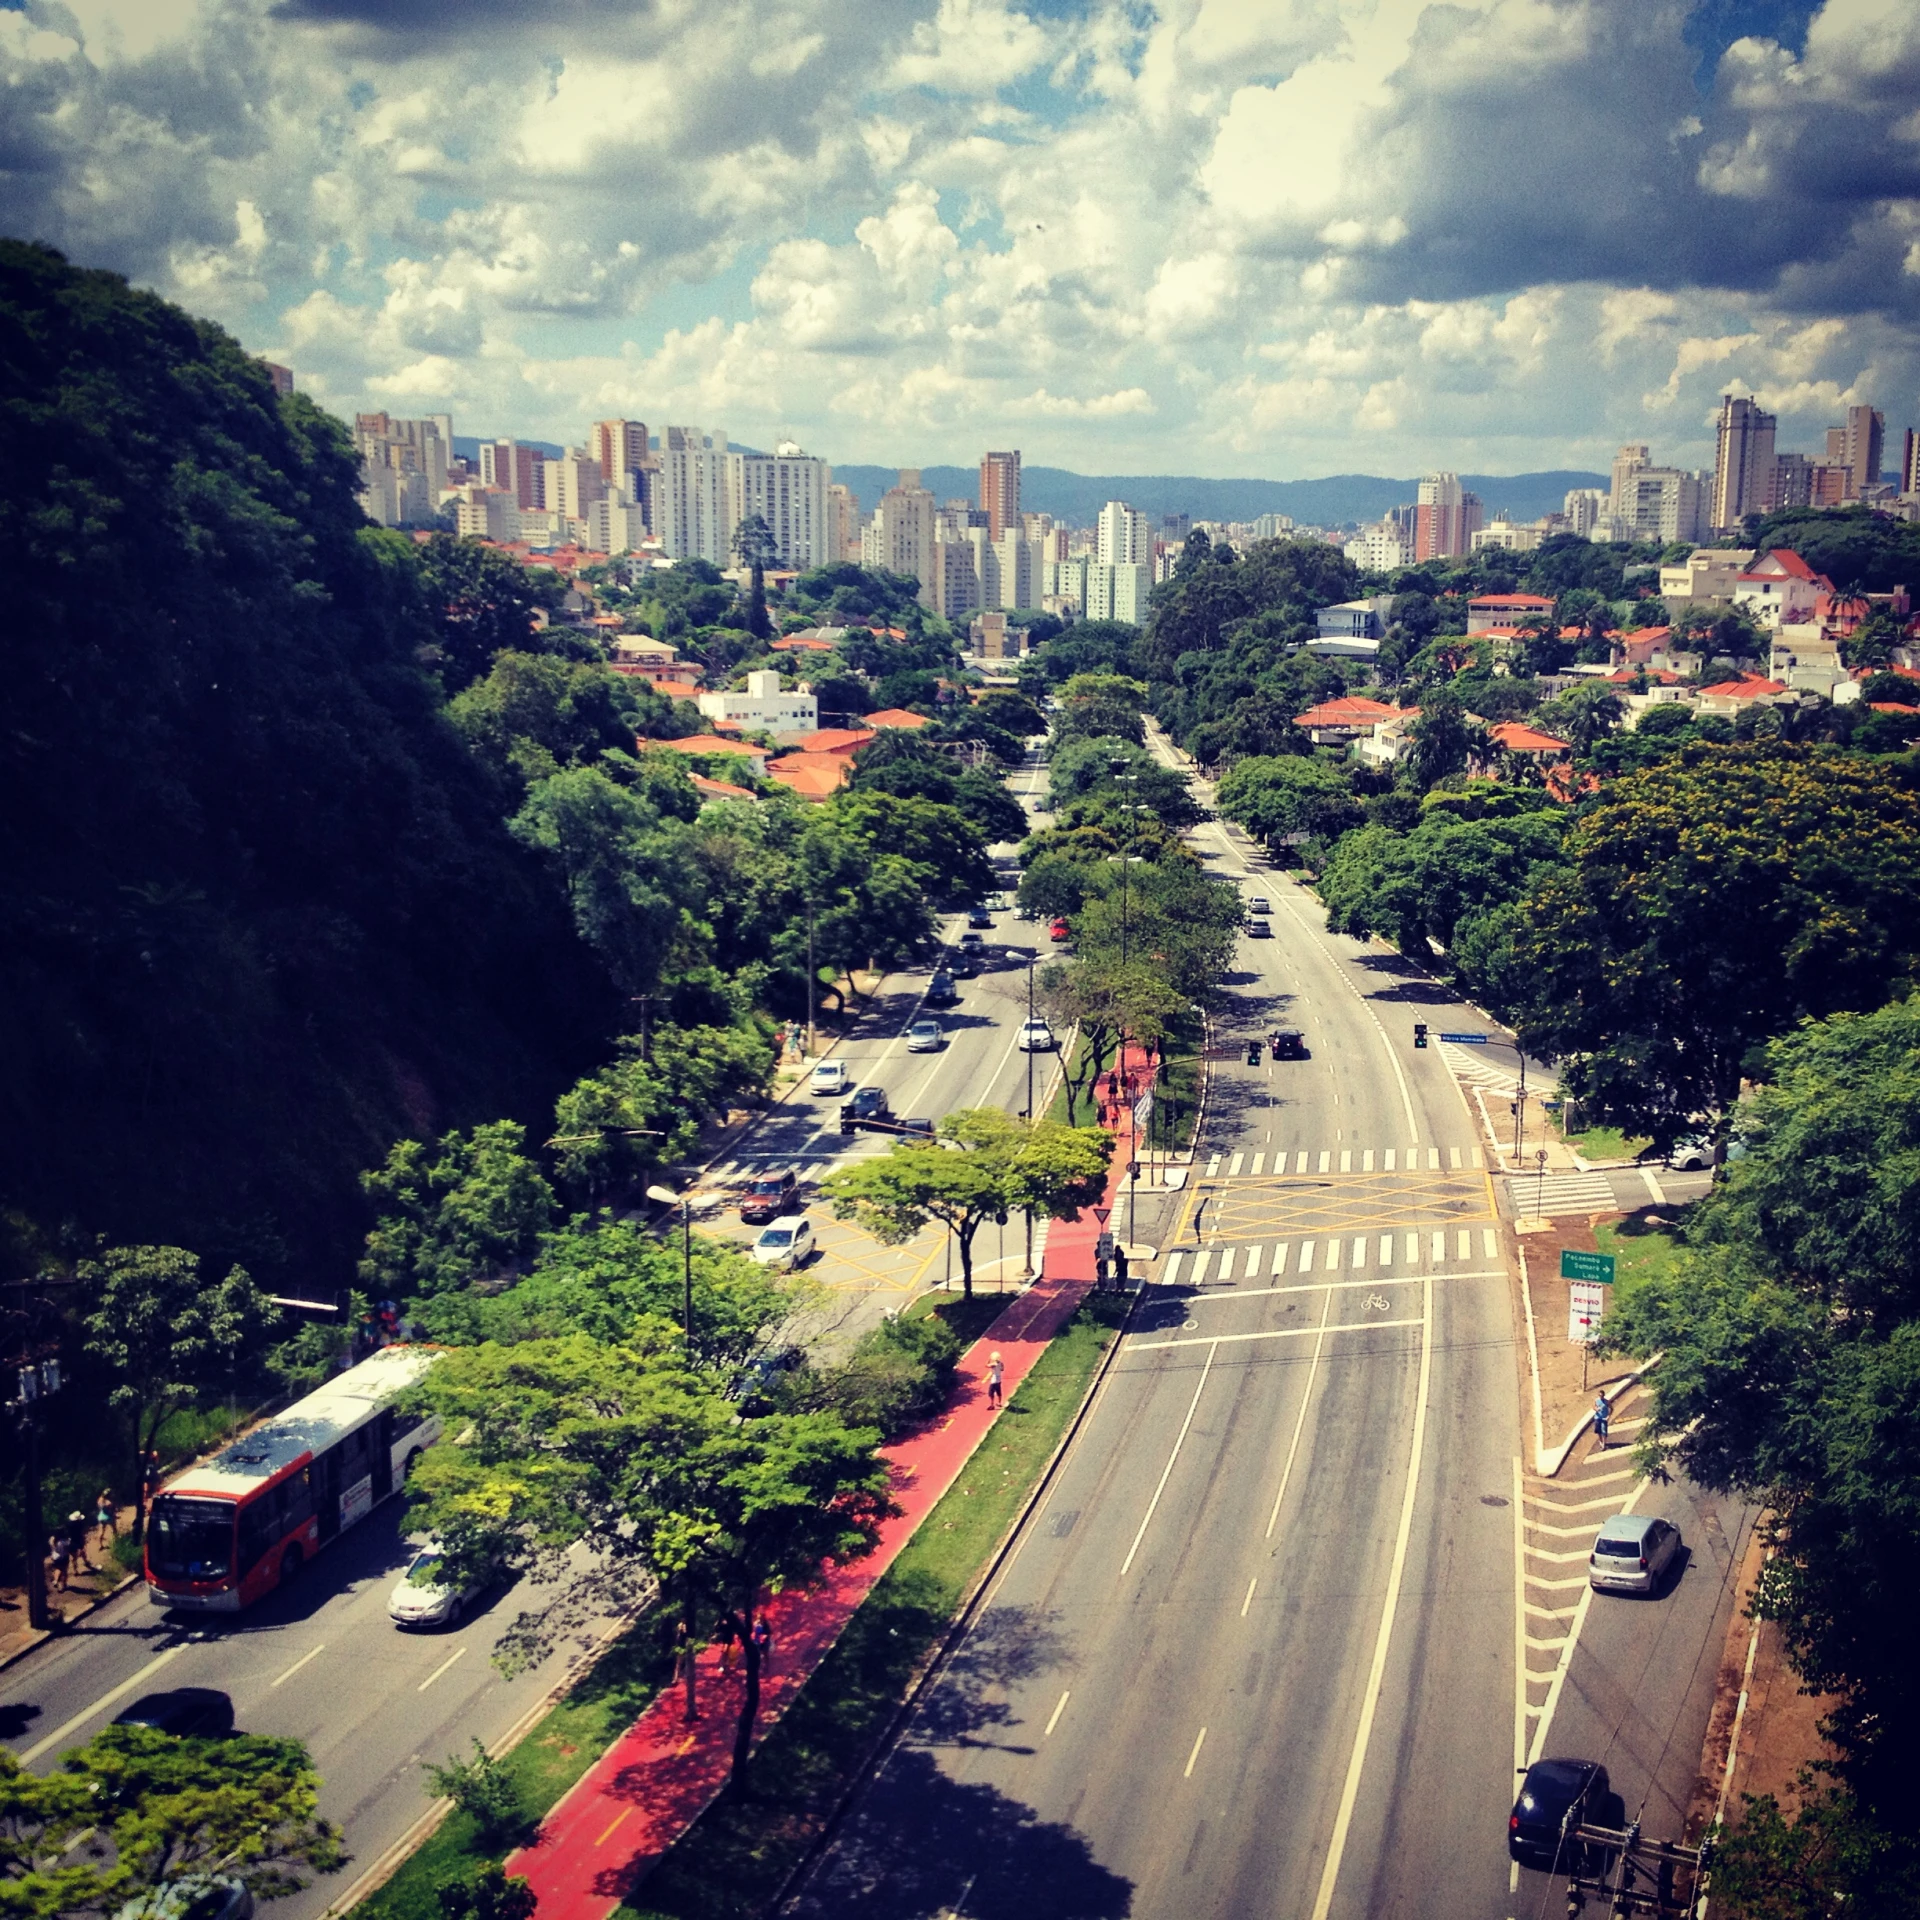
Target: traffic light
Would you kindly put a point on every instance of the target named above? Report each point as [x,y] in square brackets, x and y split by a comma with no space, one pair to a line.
[1419,1033]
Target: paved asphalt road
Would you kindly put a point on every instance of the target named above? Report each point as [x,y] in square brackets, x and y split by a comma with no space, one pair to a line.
[1257,1652]
[324,1664]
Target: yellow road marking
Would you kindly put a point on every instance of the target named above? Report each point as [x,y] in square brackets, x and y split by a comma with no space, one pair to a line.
[624,1811]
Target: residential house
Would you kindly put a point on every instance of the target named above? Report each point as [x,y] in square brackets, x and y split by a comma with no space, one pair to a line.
[1707,573]
[813,776]
[1780,589]
[764,706]
[894,717]
[1339,723]
[1731,697]
[704,743]
[1503,613]
[1528,743]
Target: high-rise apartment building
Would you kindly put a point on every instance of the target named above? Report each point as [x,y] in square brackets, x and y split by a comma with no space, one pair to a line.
[282,378]
[788,490]
[1120,590]
[1910,462]
[1657,503]
[1743,466]
[1862,445]
[1000,491]
[1445,518]
[1792,481]
[1122,537]
[403,466]
[573,484]
[624,454]
[1583,508]
[899,537]
[843,522]
[696,507]
[1627,461]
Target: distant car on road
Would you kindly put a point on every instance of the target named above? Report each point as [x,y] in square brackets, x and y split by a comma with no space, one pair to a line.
[1555,1797]
[1058,929]
[972,942]
[184,1713]
[1259,904]
[1691,1153]
[786,1243]
[1025,913]
[926,1035]
[941,992]
[830,1076]
[966,964]
[428,1595]
[1259,930]
[980,917]
[1036,1037]
[1632,1554]
[1287,1043]
[768,1195]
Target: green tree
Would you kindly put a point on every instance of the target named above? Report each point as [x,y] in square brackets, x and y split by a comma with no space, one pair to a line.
[1096,706]
[623,1449]
[1582,716]
[1274,797]
[985,1165]
[535,713]
[163,1334]
[482,603]
[469,1207]
[135,1811]
[1708,903]
[1104,999]
[1443,741]
[753,541]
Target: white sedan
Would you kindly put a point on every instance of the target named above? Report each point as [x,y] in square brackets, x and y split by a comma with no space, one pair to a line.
[1036,1037]
[830,1076]
[425,1596]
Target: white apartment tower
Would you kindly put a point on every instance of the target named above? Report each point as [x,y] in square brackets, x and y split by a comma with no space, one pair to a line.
[788,490]
[899,537]
[694,519]
[1123,538]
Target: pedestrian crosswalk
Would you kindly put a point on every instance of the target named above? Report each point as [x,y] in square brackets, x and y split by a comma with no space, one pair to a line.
[1536,1193]
[1333,1253]
[1286,1161]
[1471,1065]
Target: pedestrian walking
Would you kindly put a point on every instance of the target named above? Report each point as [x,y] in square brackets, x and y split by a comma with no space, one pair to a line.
[763,1643]
[729,1641]
[76,1531]
[59,1553]
[1602,1417]
[106,1517]
[1119,1266]
[995,1368]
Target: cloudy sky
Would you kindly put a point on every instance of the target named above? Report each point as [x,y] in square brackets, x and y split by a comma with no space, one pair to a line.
[1227,237]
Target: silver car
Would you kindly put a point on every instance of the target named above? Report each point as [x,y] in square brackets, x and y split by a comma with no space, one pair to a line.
[1632,1554]
[429,1594]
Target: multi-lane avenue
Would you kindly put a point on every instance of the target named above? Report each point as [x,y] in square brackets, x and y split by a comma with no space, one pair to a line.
[1263,1648]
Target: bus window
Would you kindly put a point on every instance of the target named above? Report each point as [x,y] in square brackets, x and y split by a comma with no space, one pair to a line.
[190,1539]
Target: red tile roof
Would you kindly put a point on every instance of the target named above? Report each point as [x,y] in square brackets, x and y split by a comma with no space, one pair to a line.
[1789,562]
[1567,782]
[798,645]
[1514,602]
[1750,686]
[844,741]
[1658,675]
[813,776]
[1518,738]
[895,717]
[709,743]
[1349,712]
[721,789]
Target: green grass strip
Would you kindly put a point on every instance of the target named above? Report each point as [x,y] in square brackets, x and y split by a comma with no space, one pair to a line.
[733,1860]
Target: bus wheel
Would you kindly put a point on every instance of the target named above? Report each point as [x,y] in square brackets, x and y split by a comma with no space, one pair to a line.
[290,1564]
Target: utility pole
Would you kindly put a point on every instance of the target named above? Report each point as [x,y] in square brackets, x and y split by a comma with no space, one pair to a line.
[1026,1271]
[1520,1109]
[1636,1875]
[813,982]
[33,1361]
[666,1196]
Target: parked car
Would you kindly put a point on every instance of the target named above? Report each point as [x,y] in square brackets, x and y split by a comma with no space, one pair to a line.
[1287,1043]
[1259,929]
[941,992]
[1695,1151]
[1036,1037]
[1632,1554]
[786,1243]
[200,1896]
[1058,929]
[184,1713]
[980,917]
[926,1035]
[428,1595]
[768,1195]
[830,1076]
[1555,1797]
[1259,904]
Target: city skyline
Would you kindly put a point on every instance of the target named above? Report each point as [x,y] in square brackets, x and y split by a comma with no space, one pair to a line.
[1272,243]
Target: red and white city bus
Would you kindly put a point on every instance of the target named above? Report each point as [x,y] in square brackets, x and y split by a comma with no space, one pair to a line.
[232,1529]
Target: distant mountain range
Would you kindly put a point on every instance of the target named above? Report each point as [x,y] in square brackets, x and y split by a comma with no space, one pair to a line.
[1332,502]
[1077,498]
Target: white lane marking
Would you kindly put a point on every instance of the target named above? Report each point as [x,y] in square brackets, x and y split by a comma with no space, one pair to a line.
[1350,1793]
[1489,1245]
[1519,1619]
[440,1669]
[1413,1159]
[1366,1161]
[1413,1249]
[1199,1740]
[1433,1159]
[1053,1719]
[1333,1255]
[1172,1272]
[1200,1266]
[1235,1164]
[1257,1158]
[1392,1161]
[1300,1418]
[1653,1187]
[1167,1471]
[314,1654]
[1346,1161]
[1386,1249]
[1300,1161]
[1324,1159]
[1440,1244]
[1479,1158]
[1357,1255]
[1276,1333]
[1306,1256]
[1463,1243]
[1248,1601]
[1456,1154]
[1213,1166]
[106,1700]
[1278,1264]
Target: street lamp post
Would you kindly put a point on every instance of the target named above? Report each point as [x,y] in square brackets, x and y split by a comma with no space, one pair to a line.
[34,1364]
[1026,1271]
[813,982]
[684,1201]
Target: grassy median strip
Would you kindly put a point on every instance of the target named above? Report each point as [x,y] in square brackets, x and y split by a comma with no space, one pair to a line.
[579,1729]
[735,1857]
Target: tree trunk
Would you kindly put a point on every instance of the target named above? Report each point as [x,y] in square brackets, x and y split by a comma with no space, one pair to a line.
[965,1236]
[749,1707]
[693,1710]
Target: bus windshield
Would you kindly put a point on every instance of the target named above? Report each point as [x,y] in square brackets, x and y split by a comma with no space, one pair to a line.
[191,1539]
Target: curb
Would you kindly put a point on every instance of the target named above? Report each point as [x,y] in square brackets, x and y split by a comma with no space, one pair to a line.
[955,1632]
[39,1639]
[1558,1456]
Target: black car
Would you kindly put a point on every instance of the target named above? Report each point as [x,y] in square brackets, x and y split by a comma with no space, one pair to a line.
[1554,1798]
[979,917]
[865,1103]
[1287,1043]
[186,1713]
[941,992]
[966,966]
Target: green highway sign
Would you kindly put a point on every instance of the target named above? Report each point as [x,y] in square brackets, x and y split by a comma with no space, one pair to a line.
[1586,1266]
